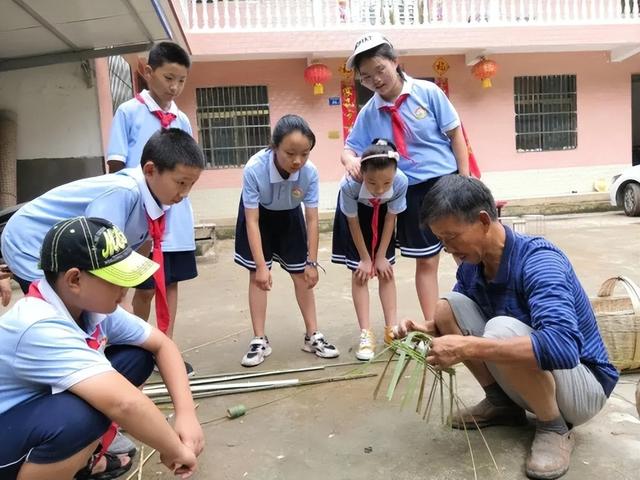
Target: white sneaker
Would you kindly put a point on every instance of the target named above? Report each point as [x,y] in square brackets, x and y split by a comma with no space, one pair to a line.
[259,348]
[367,347]
[318,345]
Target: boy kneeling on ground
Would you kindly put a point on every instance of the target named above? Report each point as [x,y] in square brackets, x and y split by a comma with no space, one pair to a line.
[71,359]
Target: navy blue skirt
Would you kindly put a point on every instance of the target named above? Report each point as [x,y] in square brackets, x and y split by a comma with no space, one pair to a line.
[414,239]
[284,239]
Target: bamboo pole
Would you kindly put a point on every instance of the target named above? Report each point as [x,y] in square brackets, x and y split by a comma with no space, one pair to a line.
[214,392]
[240,375]
[219,378]
[157,392]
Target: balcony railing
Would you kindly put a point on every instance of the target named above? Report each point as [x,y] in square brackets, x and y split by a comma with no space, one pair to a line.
[278,15]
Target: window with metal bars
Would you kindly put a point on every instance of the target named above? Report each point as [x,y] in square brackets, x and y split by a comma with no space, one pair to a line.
[120,81]
[233,123]
[546,113]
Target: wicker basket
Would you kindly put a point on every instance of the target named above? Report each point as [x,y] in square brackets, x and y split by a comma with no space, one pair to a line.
[619,322]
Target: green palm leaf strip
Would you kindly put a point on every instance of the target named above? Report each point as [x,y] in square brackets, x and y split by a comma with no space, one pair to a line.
[416,347]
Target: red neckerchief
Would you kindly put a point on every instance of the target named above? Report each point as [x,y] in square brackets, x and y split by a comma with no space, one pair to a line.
[474,168]
[398,126]
[94,343]
[156,229]
[375,203]
[166,118]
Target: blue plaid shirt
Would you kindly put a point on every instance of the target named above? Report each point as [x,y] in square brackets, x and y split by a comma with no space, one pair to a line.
[537,285]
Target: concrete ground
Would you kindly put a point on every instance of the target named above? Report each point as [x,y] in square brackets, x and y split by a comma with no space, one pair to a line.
[336,430]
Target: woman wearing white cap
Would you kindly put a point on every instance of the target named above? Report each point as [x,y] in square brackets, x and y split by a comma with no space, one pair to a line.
[426,129]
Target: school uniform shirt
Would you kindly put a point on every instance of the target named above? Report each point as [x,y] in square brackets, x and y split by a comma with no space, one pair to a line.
[133,124]
[428,115]
[536,284]
[263,185]
[353,192]
[122,198]
[43,350]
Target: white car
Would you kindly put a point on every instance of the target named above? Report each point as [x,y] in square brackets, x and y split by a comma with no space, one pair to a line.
[625,191]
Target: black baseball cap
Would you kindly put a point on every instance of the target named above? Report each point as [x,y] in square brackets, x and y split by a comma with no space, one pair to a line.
[97,246]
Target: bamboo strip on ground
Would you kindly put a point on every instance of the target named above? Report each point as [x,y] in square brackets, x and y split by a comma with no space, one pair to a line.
[213,391]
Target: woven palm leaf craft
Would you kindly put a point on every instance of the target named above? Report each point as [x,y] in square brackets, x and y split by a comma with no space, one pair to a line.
[414,348]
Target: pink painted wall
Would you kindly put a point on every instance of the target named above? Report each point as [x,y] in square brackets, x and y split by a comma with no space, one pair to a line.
[604,107]
[288,93]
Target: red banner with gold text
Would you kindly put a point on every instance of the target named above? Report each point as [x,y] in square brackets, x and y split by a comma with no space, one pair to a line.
[349,108]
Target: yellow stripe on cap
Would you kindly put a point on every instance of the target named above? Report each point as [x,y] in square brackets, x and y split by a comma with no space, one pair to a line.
[130,272]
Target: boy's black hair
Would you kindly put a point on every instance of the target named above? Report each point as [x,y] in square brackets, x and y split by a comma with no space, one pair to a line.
[52,278]
[458,196]
[168,52]
[385,50]
[288,124]
[170,147]
[380,148]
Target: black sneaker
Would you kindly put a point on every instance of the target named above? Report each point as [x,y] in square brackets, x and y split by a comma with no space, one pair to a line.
[190,371]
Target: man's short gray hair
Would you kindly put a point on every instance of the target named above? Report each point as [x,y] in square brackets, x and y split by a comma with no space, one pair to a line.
[458,196]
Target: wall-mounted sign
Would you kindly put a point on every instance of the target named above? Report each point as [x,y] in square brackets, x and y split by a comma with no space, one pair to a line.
[334,134]
[334,101]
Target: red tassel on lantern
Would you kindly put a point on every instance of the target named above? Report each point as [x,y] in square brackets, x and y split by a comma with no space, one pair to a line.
[317,74]
[484,70]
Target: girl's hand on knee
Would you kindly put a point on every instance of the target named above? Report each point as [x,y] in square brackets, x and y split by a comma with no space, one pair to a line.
[263,278]
[363,272]
[311,276]
[384,268]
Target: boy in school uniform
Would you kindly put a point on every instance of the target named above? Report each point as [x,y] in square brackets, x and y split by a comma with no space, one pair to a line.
[134,122]
[133,199]
[71,360]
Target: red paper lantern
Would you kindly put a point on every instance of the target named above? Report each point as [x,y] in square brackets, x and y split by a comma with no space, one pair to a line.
[484,70]
[317,74]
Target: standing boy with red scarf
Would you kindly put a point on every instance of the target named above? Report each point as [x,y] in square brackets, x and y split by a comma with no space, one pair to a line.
[134,122]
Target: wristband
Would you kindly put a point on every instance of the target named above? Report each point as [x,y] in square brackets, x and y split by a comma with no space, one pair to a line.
[315,265]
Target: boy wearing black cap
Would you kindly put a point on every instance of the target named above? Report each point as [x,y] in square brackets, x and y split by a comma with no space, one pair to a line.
[71,359]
